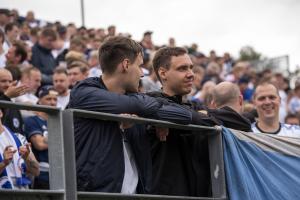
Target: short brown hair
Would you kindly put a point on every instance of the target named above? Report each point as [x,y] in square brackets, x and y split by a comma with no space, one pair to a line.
[83,67]
[2,36]
[49,32]
[77,41]
[20,50]
[263,83]
[60,70]
[163,57]
[10,26]
[26,71]
[114,50]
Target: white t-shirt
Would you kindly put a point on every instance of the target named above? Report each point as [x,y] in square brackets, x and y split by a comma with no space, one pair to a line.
[27,98]
[2,60]
[284,130]
[130,179]
[62,101]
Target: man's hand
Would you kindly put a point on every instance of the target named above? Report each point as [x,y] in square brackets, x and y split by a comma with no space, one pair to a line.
[126,125]
[8,154]
[15,91]
[25,151]
[162,133]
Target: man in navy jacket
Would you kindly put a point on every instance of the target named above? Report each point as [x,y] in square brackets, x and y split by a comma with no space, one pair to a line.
[105,161]
[42,57]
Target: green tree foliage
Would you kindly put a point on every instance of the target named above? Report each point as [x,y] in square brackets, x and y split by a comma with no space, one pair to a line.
[247,53]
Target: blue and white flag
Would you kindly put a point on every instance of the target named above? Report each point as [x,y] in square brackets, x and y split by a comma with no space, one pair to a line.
[261,166]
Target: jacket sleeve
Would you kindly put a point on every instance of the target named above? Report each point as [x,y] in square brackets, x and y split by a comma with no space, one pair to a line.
[199,118]
[142,105]
[35,58]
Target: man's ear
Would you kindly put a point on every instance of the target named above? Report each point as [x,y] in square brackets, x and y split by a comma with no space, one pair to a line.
[213,104]
[125,65]
[241,100]
[162,73]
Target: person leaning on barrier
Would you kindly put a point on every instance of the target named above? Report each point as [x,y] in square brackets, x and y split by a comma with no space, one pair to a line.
[104,160]
[267,103]
[36,131]
[191,177]
[180,163]
[16,160]
[228,104]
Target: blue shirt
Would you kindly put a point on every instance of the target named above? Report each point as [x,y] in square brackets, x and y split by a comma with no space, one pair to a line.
[36,125]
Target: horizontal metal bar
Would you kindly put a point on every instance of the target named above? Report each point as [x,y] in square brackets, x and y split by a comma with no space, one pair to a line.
[32,192]
[114,196]
[139,120]
[23,106]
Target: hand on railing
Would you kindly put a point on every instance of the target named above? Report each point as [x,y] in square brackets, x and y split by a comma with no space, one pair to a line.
[162,133]
[125,124]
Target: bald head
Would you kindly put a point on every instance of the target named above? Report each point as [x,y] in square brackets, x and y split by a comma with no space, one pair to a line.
[227,94]
[4,71]
[5,80]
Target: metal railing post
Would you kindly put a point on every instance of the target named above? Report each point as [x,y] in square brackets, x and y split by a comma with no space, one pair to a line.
[217,164]
[56,156]
[56,152]
[70,162]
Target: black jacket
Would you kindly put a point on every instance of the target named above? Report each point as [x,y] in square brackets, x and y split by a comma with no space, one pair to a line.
[231,119]
[12,118]
[181,163]
[98,144]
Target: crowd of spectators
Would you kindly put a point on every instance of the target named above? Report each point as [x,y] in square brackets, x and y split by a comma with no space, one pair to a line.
[41,62]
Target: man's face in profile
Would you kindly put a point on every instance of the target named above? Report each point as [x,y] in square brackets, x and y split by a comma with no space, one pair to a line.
[134,74]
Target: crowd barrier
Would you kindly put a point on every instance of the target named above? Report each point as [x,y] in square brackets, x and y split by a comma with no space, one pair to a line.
[62,157]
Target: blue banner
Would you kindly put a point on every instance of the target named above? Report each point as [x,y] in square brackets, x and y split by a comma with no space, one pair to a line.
[261,166]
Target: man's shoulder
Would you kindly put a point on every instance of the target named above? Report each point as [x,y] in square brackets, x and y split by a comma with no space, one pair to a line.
[34,120]
[84,90]
[88,83]
[254,128]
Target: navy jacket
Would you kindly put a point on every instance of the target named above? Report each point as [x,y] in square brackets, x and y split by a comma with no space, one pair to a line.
[180,165]
[98,144]
[43,60]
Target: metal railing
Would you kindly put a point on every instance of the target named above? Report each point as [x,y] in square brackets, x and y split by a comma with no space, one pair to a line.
[63,164]
[56,156]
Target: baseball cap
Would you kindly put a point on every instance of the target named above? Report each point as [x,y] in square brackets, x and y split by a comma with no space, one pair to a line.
[45,90]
